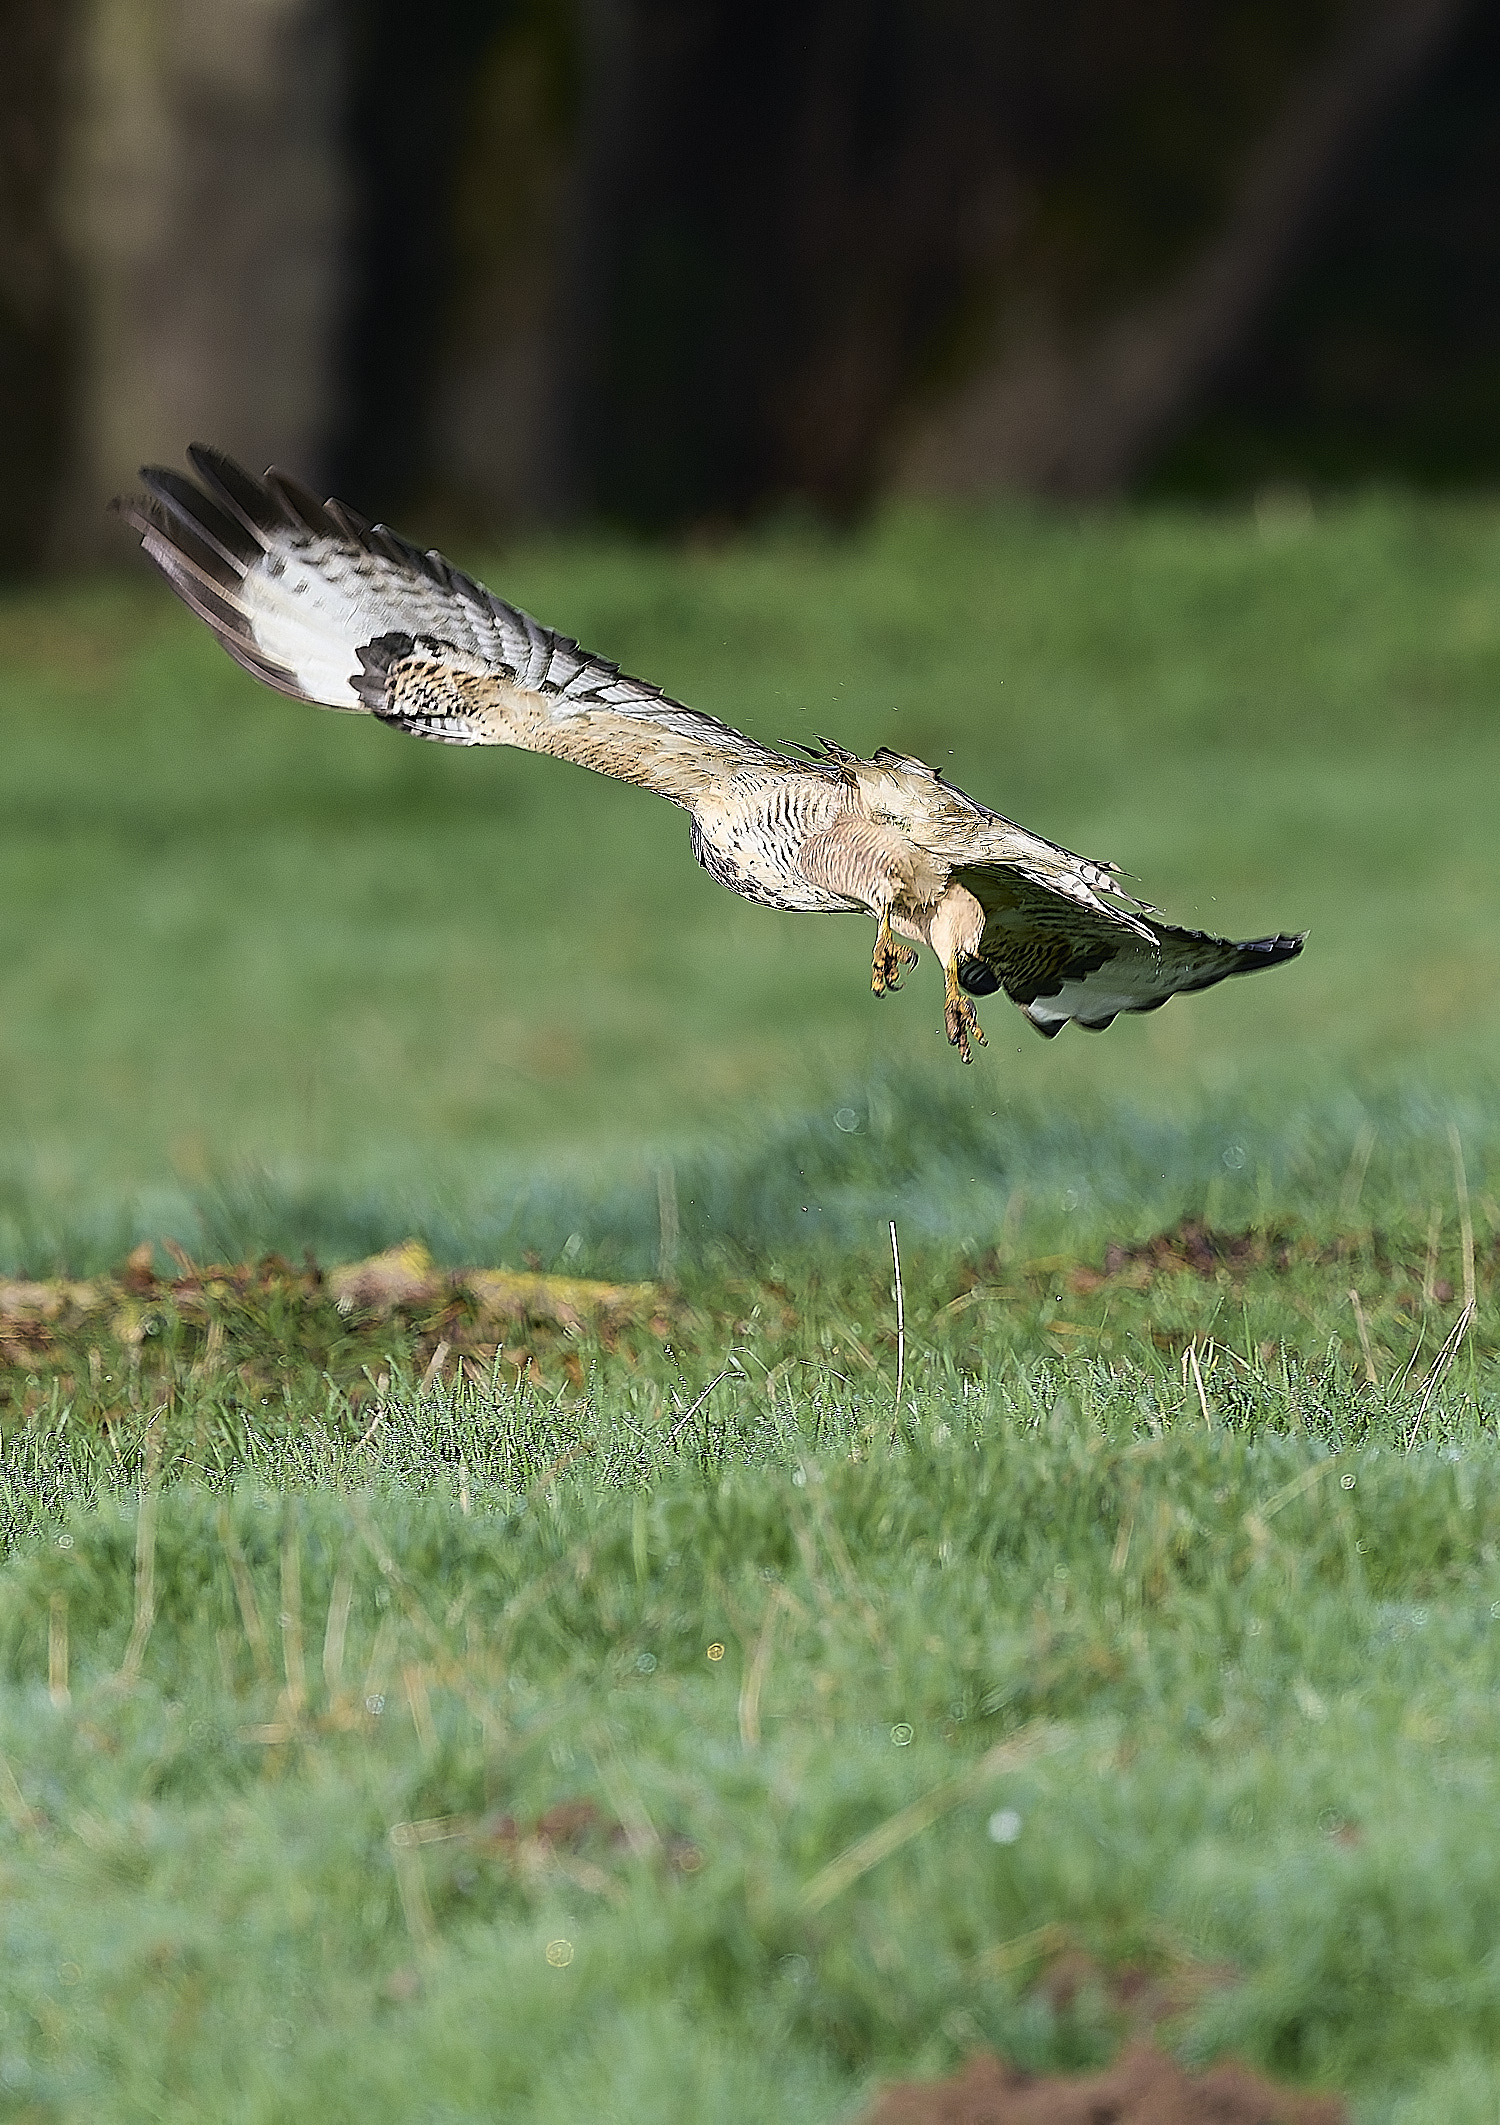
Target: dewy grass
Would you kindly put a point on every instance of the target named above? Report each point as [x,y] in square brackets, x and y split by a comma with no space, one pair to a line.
[406,1714]
[771,1184]
[445,1793]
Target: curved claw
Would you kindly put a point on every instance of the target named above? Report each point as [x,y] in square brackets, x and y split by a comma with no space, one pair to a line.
[961,1021]
[890,958]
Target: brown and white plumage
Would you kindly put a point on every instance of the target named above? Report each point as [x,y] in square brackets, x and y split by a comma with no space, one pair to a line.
[331,609]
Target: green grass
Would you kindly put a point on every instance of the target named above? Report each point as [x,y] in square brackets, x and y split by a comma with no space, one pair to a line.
[1249,1684]
[281,981]
[260,953]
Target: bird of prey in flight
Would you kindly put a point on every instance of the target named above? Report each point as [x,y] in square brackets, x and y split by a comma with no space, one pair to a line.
[332,609]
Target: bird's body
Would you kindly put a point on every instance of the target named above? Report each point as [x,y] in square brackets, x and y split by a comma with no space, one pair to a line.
[324,606]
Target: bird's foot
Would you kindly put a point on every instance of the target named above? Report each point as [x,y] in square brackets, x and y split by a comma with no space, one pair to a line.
[890,958]
[961,1022]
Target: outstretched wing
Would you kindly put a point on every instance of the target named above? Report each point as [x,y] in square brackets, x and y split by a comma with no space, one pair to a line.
[329,608]
[1059,958]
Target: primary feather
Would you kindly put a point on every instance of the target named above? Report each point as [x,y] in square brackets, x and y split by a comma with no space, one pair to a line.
[316,601]
[334,610]
[1059,960]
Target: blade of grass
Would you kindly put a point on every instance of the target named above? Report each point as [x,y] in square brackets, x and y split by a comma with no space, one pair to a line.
[1364,1339]
[1465,1216]
[755,1674]
[293,1665]
[411,1882]
[900,1317]
[244,1594]
[145,1571]
[1438,1374]
[909,1822]
[336,1630]
[57,1650]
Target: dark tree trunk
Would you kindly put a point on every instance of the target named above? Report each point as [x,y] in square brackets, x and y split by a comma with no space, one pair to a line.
[34,336]
[206,214]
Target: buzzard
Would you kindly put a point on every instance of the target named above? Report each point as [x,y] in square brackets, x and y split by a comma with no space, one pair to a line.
[332,609]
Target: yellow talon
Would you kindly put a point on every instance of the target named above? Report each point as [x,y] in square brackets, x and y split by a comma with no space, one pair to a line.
[959,1017]
[890,958]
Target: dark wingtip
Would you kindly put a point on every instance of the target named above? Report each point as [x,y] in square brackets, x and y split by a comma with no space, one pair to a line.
[300,503]
[1270,951]
[131,509]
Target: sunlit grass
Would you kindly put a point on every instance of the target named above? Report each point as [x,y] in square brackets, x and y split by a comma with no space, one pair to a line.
[312,1617]
[284,1824]
[247,940]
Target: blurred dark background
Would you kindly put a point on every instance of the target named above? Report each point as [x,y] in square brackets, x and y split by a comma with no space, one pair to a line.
[677,263]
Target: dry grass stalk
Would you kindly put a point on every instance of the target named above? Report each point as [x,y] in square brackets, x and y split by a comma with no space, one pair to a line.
[416,1905]
[755,1674]
[336,1631]
[681,1424]
[1465,1216]
[899,1829]
[434,1370]
[18,1809]
[1359,1166]
[414,1679]
[1364,1339]
[1119,1556]
[378,1670]
[1439,1372]
[145,1571]
[900,1317]
[1296,1486]
[293,1665]
[57,1650]
[244,1594]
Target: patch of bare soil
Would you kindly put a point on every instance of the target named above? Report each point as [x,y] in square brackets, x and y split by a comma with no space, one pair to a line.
[1145,2086]
[1189,1248]
[254,1315]
[1195,1247]
[1398,1272]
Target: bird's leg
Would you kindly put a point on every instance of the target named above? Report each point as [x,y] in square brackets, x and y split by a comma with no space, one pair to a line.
[890,957]
[959,1016]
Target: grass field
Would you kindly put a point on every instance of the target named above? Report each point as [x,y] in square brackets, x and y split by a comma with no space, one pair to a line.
[295,961]
[502,1699]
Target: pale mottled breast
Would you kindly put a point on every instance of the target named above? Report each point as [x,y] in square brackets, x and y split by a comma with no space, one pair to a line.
[747,836]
